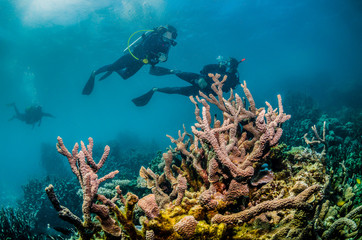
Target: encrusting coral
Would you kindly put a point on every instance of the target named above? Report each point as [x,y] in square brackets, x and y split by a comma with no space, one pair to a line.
[222,189]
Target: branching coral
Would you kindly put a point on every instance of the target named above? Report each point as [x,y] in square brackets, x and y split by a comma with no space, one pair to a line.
[85,169]
[231,155]
[300,201]
[313,143]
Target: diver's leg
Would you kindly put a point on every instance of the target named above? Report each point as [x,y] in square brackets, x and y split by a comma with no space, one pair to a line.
[103,69]
[107,74]
[186,91]
[117,65]
[188,76]
[145,98]
[160,71]
[108,69]
[14,106]
[16,110]
[17,115]
[131,68]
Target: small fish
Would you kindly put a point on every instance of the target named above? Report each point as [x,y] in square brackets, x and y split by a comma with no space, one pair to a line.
[340,203]
[358,181]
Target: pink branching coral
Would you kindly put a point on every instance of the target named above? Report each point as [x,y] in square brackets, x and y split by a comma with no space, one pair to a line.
[232,154]
[85,169]
[86,172]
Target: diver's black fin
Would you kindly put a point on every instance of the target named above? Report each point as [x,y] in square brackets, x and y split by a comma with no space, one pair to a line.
[144,99]
[88,88]
[160,71]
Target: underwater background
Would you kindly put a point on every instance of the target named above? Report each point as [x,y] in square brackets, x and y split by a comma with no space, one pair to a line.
[307,51]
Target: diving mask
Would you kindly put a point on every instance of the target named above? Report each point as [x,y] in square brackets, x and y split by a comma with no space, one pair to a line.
[221,60]
[168,37]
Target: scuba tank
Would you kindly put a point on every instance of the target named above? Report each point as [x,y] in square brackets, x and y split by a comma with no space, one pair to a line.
[136,43]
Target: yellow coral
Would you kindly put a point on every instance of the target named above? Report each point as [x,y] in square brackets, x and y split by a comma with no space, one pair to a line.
[213,231]
[197,212]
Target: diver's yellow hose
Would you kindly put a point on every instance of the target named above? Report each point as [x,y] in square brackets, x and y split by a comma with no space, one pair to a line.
[129,39]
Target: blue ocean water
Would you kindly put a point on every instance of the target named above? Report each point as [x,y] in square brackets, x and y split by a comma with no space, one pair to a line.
[48,49]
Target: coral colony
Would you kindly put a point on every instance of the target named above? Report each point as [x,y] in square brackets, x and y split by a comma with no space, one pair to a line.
[227,179]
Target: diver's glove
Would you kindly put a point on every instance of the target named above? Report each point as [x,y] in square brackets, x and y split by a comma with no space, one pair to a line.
[201,83]
[162,57]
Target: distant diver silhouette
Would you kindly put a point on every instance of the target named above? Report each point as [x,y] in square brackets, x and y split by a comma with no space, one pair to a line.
[32,114]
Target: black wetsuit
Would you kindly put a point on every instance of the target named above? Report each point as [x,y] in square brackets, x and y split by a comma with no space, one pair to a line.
[192,78]
[150,48]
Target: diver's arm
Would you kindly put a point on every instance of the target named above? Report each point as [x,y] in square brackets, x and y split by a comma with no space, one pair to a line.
[213,68]
[156,49]
[48,115]
[163,52]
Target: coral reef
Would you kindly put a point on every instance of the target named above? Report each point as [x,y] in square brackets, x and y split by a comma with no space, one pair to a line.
[228,179]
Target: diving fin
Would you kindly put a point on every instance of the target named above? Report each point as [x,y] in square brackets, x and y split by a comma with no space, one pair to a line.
[88,88]
[160,71]
[144,99]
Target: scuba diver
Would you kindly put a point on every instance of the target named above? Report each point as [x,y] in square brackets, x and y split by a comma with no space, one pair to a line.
[151,48]
[199,82]
[32,115]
